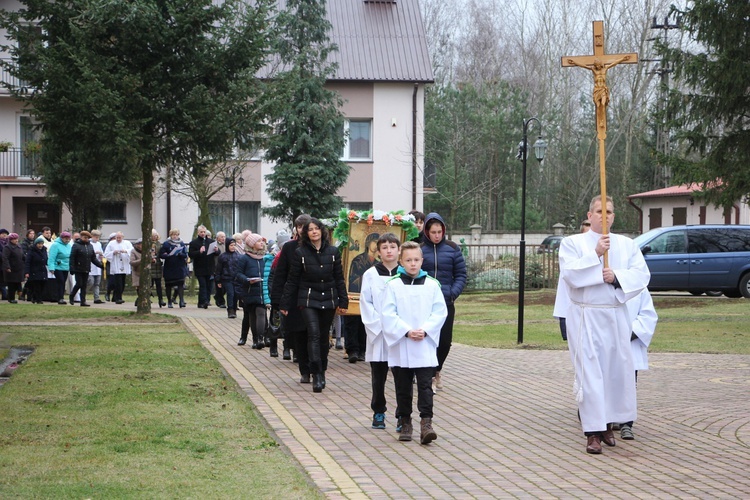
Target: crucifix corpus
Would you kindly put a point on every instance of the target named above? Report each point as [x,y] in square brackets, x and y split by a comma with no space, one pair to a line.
[598,64]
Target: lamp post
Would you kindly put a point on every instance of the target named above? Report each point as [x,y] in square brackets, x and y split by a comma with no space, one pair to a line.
[539,149]
[230,181]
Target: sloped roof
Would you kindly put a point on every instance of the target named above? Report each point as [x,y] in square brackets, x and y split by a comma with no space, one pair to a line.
[378,40]
[681,190]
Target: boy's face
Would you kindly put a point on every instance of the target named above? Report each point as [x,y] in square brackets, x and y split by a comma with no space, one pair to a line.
[420,224]
[388,253]
[411,260]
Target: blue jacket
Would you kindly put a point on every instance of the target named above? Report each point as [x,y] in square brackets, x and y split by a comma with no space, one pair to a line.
[444,262]
[228,266]
[59,256]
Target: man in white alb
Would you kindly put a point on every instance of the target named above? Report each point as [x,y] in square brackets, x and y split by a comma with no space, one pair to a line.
[598,325]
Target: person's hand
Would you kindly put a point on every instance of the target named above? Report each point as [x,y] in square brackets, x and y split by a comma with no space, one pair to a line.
[609,275]
[417,335]
[284,312]
[203,249]
[218,285]
[27,276]
[602,245]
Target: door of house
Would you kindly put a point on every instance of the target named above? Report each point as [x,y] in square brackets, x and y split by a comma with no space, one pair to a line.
[39,215]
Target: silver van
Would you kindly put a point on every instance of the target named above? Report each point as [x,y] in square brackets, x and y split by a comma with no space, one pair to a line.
[699,259]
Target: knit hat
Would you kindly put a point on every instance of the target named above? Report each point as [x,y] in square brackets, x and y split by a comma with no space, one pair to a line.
[13,236]
[39,240]
[138,241]
[3,231]
[65,234]
[282,237]
[112,236]
[86,234]
[252,239]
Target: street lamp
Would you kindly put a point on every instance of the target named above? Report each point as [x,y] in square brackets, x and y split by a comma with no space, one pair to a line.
[230,181]
[539,149]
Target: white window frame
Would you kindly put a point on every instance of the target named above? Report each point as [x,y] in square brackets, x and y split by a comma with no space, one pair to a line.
[346,156]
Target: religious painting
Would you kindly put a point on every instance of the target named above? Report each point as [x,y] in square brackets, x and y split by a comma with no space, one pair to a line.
[357,234]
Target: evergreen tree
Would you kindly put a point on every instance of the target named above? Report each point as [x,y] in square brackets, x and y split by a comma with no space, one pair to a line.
[126,88]
[308,138]
[710,108]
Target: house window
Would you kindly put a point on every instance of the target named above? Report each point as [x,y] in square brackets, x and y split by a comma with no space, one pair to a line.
[358,206]
[114,212]
[247,216]
[358,145]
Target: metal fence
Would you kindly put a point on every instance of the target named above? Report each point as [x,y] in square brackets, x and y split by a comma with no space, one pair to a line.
[496,267]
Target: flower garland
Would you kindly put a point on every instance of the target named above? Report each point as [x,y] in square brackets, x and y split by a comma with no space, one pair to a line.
[347,217]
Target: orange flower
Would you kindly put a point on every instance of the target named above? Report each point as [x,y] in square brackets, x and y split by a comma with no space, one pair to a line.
[398,218]
[352,214]
[386,220]
[369,220]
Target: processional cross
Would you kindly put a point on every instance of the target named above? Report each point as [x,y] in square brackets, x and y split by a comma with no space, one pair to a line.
[598,64]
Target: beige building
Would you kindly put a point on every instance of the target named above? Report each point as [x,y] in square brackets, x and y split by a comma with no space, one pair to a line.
[383,67]
[678,205]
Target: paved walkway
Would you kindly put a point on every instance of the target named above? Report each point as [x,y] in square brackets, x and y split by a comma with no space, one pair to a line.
[507,426]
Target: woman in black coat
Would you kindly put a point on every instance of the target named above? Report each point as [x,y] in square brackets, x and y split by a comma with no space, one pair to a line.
[13,267]
[174,253]
[35,270]
[316,286]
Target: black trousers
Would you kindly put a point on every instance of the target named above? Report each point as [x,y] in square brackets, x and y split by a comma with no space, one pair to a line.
[61,277]
[156,283]
[355,335]
[81,282]
[446,337]
[379,371]
[253,319]
[404,380]
[118,280]
[318,323]
[221,292]
[36,290]
[13,289]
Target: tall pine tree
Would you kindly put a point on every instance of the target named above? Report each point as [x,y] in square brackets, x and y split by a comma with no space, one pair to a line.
[711,105]
[308,140]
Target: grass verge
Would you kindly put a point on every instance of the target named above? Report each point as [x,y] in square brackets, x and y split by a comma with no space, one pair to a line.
[118,410]
[686,323]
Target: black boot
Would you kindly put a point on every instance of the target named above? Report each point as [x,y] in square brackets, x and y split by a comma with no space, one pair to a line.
[286,355]
[274,348]
[317,382]
[243,341]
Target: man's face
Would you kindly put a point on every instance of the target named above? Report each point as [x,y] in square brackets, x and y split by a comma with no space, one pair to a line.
[411,260]
[76,236]
[31,235]
[201,233]
[118,237]
[388,253]
[221,239]
[595,217]
[47,233]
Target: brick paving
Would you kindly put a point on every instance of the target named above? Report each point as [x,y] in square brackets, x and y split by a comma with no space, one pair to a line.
[507,425]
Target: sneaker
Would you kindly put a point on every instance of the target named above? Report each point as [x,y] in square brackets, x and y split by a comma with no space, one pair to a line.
[378,421]
[626,432]
[398,424]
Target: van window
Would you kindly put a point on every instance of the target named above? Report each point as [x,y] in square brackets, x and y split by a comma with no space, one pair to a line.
[712,240]
[669,242]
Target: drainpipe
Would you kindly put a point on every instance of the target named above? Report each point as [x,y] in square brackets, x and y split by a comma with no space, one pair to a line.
[414,147]
[640,214]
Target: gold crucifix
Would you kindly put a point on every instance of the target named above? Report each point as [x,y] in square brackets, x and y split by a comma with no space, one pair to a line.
[598,64]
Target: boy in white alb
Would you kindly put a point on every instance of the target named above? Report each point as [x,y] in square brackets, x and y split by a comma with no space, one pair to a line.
[414,311]
[370,298]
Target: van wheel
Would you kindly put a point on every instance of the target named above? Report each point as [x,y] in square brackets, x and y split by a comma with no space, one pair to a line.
[745,286]
[734,294]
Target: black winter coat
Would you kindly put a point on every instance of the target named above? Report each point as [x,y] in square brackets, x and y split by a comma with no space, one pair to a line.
[82,255]
[316,279]
[227,266]
[252,293]
[175,265]
[13,263]
[36,264]
[203,264]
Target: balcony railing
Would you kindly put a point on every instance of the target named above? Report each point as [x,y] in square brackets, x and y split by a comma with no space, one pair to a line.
[15,163]
[8,80]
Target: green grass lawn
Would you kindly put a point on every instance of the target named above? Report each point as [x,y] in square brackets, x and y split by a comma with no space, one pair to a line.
[686,323]
[116,409]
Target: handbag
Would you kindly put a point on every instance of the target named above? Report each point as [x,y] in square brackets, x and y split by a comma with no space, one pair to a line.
[273,327]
